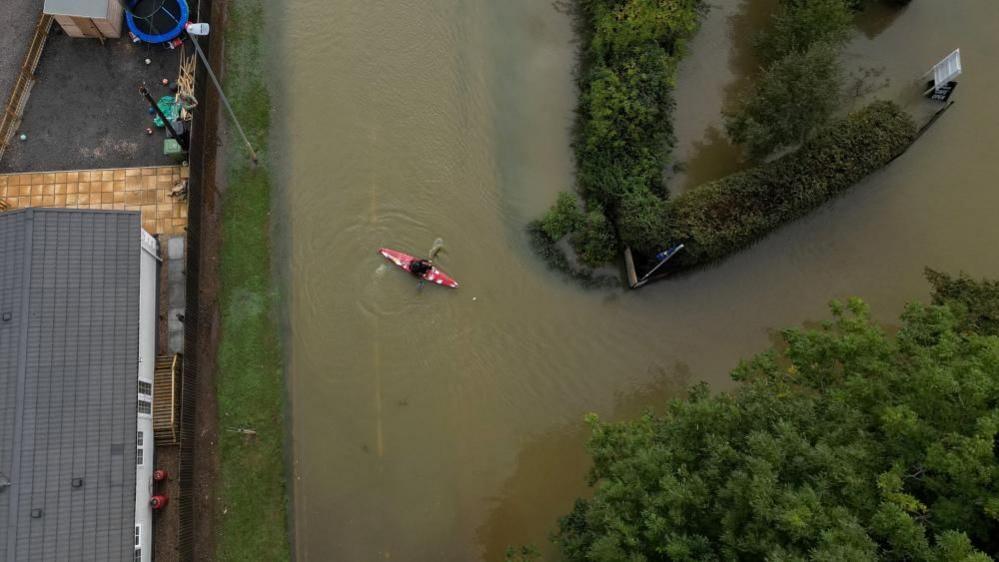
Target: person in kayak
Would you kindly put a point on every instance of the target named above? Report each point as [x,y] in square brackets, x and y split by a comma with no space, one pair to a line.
[420,268]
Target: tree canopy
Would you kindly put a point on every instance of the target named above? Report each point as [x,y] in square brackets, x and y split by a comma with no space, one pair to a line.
[799,89]
[793,97]
[976,302]
[797,26]
[847,442]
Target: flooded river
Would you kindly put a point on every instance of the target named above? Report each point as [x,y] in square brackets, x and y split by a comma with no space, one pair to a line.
[446,425]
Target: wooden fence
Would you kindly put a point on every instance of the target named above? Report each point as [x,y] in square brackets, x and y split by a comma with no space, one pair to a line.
[11,118]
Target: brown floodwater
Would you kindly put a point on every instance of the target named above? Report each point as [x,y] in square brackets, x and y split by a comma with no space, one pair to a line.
[442,424]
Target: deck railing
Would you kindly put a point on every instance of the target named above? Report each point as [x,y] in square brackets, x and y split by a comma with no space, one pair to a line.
[166,400]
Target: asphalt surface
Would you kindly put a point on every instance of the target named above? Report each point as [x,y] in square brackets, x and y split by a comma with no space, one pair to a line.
[17,24]
[85,110]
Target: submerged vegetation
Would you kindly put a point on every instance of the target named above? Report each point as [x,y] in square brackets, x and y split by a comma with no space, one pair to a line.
[797,27]
[848,442]
[801,84]
[630,53]
[790,100]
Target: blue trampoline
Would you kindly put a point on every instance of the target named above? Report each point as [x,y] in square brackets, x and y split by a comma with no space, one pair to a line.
[157,21]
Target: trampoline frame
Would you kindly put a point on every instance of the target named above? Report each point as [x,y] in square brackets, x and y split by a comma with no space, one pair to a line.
[185,15]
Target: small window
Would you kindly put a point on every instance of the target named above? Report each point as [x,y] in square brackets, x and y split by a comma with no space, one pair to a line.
[138,439]
[145,407]
[145,388]
[138,555]
[138,535]
[138,457]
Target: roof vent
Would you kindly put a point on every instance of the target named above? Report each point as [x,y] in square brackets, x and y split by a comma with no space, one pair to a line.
[77,482]
[36,513]
[6,316]
[4,482]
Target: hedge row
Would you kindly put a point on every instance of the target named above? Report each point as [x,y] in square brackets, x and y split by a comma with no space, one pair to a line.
[624,130]
[626,81]
[726,215]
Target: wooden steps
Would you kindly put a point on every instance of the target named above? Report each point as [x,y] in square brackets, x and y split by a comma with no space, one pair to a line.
[166,399]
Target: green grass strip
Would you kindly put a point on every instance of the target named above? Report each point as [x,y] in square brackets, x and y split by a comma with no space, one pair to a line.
[253,494]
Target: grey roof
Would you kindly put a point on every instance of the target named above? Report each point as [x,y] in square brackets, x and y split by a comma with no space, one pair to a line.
[99,9]
[69,325]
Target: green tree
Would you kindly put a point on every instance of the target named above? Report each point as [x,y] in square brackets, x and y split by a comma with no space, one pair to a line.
[563,218]
[846,443]
[798,25]
[975,302]
[792,98]
[595,242]
[620,26]
[642,220]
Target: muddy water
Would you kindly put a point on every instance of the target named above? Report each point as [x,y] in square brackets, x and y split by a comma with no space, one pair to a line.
[445,425]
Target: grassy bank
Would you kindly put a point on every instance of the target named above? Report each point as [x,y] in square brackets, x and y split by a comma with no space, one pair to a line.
[252,517]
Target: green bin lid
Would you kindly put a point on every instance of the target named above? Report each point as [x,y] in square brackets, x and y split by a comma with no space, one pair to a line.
[171,147]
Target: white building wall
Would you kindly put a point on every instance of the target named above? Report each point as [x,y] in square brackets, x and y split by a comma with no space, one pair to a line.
[148,280]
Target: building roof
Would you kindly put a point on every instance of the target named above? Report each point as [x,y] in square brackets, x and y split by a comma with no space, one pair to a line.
[99,9]
[69,323]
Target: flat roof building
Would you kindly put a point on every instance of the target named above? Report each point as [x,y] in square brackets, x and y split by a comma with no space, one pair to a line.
[77,350]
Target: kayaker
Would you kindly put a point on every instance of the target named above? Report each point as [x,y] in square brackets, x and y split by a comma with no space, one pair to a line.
[420,268]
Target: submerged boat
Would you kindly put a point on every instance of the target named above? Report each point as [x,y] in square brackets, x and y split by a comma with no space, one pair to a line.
[435,276]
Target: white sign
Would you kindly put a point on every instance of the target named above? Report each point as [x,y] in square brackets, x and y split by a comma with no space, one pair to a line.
[946,70]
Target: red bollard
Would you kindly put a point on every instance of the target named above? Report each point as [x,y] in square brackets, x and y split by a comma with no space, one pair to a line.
[160,475]
[159,502]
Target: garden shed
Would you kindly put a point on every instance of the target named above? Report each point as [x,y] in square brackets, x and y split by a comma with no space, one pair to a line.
[87,18]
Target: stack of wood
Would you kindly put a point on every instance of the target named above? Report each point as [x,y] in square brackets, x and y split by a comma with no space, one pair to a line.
[185,87]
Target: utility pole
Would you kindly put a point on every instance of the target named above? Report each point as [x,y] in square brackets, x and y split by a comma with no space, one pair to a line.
[225,100]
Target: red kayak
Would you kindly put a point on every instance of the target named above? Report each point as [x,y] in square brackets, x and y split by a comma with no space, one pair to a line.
[434,276]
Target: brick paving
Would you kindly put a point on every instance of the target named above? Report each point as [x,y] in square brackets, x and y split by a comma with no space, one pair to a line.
[135,189]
